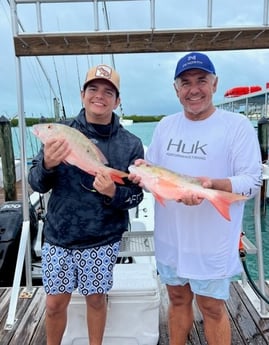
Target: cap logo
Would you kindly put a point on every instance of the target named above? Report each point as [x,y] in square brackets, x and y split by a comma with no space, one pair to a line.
[192,57]
[103,71]
[192,60]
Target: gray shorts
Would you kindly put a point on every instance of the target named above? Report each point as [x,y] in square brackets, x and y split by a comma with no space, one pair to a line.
[88,270]
[215,288]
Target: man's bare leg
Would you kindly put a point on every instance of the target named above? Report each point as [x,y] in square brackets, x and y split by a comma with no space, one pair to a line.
[180,313]
[216,321]
[96,317]
[56,317]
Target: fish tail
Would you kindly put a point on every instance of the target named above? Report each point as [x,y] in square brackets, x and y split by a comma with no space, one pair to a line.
[223,200]
[118,175]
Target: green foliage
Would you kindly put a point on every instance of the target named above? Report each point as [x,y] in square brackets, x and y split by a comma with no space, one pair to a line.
[144,118]
[30,121]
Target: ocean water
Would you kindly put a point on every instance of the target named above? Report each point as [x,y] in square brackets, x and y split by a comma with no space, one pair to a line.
[249,229]
[32,143]
[144,131]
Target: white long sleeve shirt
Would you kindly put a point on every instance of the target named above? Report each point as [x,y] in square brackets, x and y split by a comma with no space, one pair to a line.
[197,240]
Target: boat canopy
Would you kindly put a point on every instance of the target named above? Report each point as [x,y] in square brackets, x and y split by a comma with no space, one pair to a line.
[242,90]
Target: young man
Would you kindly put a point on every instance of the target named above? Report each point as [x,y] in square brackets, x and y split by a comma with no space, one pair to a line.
[196,248]
[86,215]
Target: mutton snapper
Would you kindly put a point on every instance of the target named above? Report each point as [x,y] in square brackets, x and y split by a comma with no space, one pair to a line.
[165,184]
[84,154]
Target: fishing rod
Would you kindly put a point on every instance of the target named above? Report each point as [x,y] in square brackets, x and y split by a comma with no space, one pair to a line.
[38,60]
[79,82]
[59,88]
[112,55]
[242,254]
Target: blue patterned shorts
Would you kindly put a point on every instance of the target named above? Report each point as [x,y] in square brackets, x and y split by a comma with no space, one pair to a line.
[89,270]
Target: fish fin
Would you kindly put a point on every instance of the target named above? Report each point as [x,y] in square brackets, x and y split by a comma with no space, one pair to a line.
[159,198]
[222,201]
[163,184]
[117,175]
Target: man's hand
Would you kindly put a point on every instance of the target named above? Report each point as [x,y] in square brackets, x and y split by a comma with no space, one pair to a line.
[133,177]
[191,198]
[103,183]
[55,152]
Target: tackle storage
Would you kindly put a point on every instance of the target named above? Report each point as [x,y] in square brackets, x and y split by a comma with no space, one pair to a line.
[133,309]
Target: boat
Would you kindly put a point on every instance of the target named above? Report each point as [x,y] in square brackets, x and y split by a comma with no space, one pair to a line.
[254,105]
[241,90]
[126,122]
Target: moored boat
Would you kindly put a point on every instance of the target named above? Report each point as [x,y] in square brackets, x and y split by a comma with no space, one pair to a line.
[242,90]
[126,122]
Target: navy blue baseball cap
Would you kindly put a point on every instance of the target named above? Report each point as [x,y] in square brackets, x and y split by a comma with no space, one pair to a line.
[194,60]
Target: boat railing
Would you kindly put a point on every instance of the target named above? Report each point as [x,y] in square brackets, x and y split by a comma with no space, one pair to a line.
[150,39]
[24,256]
[254,105]
[258,302]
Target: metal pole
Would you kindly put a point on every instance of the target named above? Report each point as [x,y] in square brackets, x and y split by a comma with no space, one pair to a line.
[25,248]
[152,14]
[265,12]
[209,13]
[95,15]
[17,277]
[39,17]
[24,169]
[257,220]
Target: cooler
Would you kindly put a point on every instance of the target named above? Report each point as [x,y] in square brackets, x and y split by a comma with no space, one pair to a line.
[133,309]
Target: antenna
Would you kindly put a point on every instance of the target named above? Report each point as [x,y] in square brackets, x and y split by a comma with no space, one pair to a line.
[112,55]
[59,87]
[40,63]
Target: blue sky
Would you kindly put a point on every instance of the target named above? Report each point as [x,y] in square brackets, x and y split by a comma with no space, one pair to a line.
[146,79]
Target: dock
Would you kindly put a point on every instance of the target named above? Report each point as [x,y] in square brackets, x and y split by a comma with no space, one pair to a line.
[247,326]
[19,192]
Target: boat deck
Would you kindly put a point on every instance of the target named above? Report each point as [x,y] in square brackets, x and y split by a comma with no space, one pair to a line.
[247,326]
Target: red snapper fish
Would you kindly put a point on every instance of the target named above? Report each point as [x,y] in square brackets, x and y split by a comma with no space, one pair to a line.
[165,184]
[84,154]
